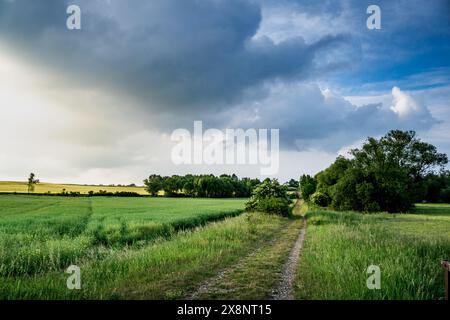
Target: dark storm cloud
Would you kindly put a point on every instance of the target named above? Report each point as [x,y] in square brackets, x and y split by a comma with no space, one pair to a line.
[170,55]
[186,60]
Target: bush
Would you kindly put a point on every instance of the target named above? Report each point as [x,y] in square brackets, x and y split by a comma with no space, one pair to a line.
[270,197]
[444,195]
[274,206]
[293,195]
[320,199]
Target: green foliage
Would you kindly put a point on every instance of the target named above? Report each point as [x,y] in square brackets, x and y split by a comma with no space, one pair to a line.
[201,186]
[384,175]
[320,199]
[436,187]
[153,184]
[270,197]
[307,186]
[327,179]
[274,205]
[292,184]
[444,195]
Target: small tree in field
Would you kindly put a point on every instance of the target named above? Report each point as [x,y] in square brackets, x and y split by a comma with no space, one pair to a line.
[153,184]
[32,181]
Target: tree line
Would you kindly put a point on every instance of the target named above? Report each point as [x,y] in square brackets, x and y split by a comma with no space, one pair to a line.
[205,186]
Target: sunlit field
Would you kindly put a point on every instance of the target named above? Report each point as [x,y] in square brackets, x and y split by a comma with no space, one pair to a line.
[55,188]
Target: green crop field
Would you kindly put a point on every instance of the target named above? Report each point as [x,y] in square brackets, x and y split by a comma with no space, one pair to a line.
[39,234]
[125,247]
[44,187]
[408,249]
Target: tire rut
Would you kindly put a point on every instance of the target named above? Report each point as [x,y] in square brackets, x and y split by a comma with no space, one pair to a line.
[285,288]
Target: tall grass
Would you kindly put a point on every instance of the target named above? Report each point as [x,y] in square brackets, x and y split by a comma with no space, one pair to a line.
[161,270]
[43,234]
[340,246]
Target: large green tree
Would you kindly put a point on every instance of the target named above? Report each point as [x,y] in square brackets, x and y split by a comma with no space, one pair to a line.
[307,186]
[385,174]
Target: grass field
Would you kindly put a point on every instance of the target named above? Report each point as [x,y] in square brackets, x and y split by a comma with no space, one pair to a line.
[408,249]
[159,270]
[170,248]
[44,187]
[47,233]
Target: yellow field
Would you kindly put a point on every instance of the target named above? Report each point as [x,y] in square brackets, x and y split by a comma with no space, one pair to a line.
[44,187]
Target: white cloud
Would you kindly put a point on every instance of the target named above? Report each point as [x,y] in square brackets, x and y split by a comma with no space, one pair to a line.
[314,119]
[403,104]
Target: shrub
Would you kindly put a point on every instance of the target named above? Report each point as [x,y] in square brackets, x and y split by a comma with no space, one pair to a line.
[444,195]
[270,197]
[274,205]
[320,199]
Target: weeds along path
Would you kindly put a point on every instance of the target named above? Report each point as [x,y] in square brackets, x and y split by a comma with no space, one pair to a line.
[262,273]
[285,288]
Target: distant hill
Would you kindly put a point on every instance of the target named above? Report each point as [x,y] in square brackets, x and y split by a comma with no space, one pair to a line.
[44,187]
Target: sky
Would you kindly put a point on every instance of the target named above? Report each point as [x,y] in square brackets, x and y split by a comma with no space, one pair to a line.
[99,104]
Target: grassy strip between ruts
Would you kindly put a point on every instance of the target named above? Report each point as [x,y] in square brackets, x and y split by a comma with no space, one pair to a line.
[163,270]
[408,248]
[257,274]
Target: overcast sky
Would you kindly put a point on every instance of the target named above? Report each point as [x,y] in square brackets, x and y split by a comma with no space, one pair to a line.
[98,105]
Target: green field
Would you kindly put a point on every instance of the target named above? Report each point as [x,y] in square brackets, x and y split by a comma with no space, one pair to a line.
[43,233]
[171,248]
[44,187]
[408,249]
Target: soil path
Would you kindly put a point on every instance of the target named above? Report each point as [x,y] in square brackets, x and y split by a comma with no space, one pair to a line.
[285,289]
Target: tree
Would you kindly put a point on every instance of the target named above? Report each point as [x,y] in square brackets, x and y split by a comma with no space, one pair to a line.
[386,174]
[307,186]
[293,184]
[189,185]
[153,184]
[32,182]
[172,185]
[434,186]
[327,179]
[418,157]
[210,186]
